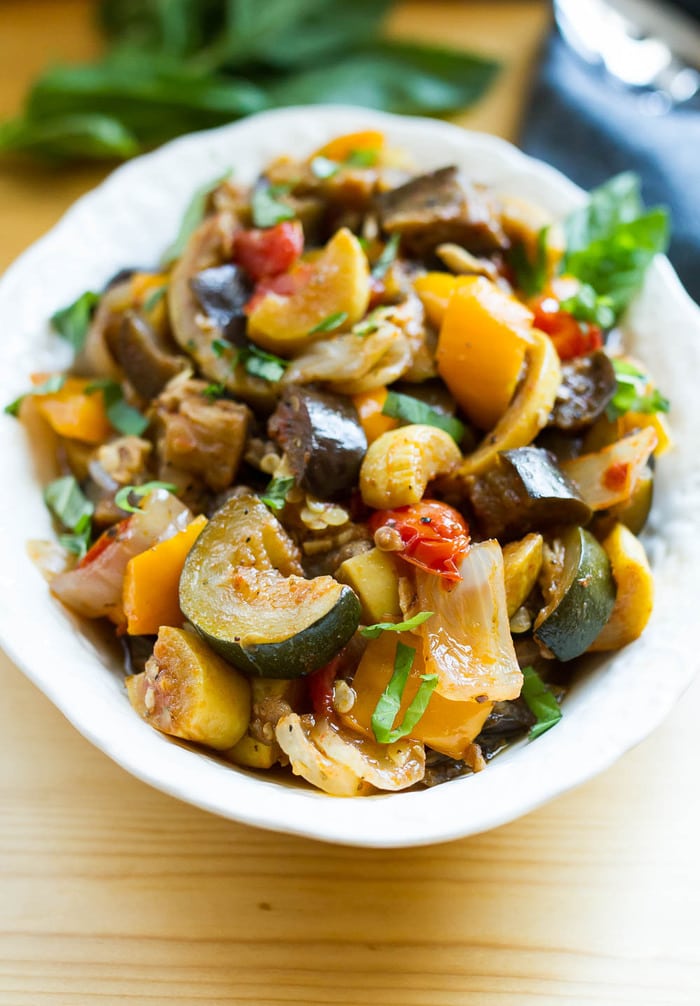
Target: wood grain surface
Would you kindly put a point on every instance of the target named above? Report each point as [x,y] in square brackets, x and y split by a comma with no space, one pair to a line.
[111,892]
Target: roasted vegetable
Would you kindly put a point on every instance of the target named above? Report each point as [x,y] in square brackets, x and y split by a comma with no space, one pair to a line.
[481,349]
[152,581]
[610,476]
[190,692]
[147,361]
[635,590]
[527,413]
[522,561]
[369,405]
[580,595]
[524,490]
[587,385]
[429,534]
[374,578]
[242,591]
[75,410]
[337,286]
[442,206]
[222,293]
[322,438]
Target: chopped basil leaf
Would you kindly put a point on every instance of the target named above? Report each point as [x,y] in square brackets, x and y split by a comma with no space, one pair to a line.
[411,409]
[214,390]
[219,347]
[324,167]
[611,241]
[632,394]
[192,217]
[387,257]
[123,498]
[67,502]
[372,631]
[266,207]
[586,305]
[275,496]
[369,324]
[50,385]
[540,701]
[261,364]
[123,417]
[362,158]
[155,298]
[390,700]
[330,323]
[72,322]
[530,274]
[77,543]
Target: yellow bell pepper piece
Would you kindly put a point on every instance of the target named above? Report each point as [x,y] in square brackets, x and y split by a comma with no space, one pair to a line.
[632,421]
[152,580]
[446,725]
[481,348]
[435,290]
[144,285]
[73,412]
[340,148]
[369,405]
[635,590]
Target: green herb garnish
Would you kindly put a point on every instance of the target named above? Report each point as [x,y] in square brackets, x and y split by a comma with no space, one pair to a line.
[369,324]
[540,701]
[372,631]
[275,496]
[390,252]
[123,417]
[389,704]
[631,394]
[125,495]
[219,346]
[74,510]
[267,208]
[72,322]
[330,323]
[261,364]
[324,167]
[362,158]
[192,218]
[50,385]
[214,391]
[411,409]
[530,273]
[611,241]
[586,305]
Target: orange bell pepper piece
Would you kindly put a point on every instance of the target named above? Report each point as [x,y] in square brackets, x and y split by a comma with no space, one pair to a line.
[447,725]
[152,581]
[73,412]
[369,405]
[435,290]
[481,348]
[340,148]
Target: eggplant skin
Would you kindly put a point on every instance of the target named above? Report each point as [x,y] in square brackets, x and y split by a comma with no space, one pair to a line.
[525,491]
[322,437]
[222,292]
[587,385]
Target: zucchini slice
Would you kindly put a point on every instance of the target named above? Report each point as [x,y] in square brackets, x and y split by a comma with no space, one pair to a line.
[581,595]
[241,590]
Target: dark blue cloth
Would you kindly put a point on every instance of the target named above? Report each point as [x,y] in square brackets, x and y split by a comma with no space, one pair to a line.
[589,127]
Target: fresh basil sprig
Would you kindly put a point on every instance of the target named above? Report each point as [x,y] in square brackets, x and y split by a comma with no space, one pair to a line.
[330,323]
[541,702]
[389,703]
[388,255]
[267,207]
[530,273]
[411,409]
[124,496]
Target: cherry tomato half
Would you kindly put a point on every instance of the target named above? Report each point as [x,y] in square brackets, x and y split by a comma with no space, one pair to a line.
[435,536]
[271,251]
[571,337]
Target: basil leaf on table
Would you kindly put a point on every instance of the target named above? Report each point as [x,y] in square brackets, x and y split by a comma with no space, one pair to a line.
[71,135]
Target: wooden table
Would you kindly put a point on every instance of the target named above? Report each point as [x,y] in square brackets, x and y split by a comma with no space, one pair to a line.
[111,892]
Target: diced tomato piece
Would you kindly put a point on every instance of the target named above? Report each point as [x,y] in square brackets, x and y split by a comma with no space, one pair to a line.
[435,536]
[271,251]
[571,337]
